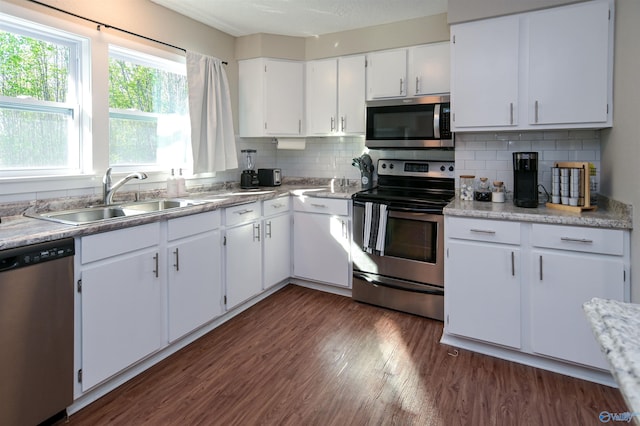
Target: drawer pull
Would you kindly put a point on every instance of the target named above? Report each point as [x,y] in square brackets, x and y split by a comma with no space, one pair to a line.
[321,206]
[483,231]
[245,211]
[576,240]
[278,206]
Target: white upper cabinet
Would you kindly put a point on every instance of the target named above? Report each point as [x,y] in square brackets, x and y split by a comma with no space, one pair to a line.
[484,82]
[429,69]
[569,64]
[271,97]
[549,69]
[387,74]
[335,96]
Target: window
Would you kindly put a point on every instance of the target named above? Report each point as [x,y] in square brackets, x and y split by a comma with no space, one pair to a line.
[148,111]
[40,108]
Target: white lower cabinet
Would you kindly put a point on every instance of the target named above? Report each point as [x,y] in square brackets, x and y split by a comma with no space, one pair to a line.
[121,297]
[243,253]
[484,293]
[276,244]
[194,272]
[321,241]
[524,288]
[563,277]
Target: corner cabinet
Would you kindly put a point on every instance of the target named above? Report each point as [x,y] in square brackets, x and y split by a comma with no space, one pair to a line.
[271,97]
[522,285]
[121,299]
[548,69]
[321,240]
[276,244]
[335,98]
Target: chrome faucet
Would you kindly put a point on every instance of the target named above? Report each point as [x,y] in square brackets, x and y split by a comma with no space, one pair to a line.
[108,190]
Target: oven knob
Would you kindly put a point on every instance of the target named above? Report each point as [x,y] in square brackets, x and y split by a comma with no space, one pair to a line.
[442,168]
[384,165]
[391,166]
[450,168]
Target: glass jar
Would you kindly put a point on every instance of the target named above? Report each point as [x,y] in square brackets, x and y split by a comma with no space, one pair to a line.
[483,192]
[467,183]
[497,195]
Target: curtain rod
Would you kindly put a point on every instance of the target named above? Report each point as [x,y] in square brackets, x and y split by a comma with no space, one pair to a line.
[101,24]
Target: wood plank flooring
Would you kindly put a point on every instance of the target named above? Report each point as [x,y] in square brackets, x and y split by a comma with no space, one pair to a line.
[304,357]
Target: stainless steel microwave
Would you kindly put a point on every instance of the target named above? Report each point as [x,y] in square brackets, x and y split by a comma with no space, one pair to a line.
[412,123]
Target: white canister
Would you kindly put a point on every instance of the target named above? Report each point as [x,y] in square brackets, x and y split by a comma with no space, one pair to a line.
[497,195]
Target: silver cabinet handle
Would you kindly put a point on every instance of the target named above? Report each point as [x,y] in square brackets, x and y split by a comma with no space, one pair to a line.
[513,264]
[576,240]
[344,229]
[333,121]
[256,235]
[299,126]
[483,231]
[322,206]
[401,85]
[267,229]
[343,123]
[417,84]
[155,271]
[536,111]
[245,211]
[540,268]
[511,113]
[177,264]
[278,206]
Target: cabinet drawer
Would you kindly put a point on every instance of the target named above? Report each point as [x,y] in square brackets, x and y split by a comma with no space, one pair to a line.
[321,205]
[275,206]
[113,243]
[192,225]
[482,230]
[242,213]
[576,238]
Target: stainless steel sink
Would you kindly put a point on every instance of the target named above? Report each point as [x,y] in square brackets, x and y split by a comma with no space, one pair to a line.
[97,214]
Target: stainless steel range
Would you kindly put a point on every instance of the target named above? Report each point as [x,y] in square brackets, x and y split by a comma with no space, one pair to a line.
[398,237]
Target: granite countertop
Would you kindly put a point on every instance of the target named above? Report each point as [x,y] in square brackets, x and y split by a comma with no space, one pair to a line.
[616,326]
[19,230]
[609,214]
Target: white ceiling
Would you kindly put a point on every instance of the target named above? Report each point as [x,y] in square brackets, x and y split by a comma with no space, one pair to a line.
[301,18]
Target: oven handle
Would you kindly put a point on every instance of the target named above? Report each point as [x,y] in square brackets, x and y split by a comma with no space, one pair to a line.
[399,285]
[394,208]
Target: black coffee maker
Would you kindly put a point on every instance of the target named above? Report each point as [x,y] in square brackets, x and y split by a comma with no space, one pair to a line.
[525,179]
[249,177]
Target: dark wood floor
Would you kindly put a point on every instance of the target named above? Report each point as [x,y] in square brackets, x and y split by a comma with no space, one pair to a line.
[304,357]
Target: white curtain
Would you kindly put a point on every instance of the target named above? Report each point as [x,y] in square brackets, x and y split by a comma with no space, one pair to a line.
[212,138]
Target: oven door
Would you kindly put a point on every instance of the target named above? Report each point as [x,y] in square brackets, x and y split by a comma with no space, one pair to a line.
[414,246]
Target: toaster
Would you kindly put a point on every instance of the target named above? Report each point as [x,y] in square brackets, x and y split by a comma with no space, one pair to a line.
[269,177]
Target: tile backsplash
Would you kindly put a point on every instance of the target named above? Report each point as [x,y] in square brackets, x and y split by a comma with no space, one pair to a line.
[489,154]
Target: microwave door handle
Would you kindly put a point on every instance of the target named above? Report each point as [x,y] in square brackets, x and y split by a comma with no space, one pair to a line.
[436,121]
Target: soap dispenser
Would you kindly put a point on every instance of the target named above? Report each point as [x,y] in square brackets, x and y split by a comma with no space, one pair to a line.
[172,185]
[182,186]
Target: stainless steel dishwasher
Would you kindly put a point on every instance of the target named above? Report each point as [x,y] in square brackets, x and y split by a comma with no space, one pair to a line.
[36,332]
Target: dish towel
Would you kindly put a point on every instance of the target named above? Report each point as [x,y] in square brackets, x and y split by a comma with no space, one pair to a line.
[375,228]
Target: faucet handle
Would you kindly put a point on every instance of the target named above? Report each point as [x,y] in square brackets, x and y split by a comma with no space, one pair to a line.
[107,176]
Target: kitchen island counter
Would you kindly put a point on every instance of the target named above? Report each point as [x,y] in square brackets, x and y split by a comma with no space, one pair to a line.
[610,214]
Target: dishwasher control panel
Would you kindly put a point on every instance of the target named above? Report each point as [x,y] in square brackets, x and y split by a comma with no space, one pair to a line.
[37,253]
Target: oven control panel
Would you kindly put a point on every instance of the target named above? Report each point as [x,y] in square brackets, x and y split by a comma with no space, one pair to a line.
[420,168]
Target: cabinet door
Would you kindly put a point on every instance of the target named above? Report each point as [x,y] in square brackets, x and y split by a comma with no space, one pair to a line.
[351,94]
[321,248]
[244,263]
[560,284]
[195,283]
[277,249]
[568,64]
[429,69]
[284,97]
[121,314]
[484,85]
[322,96]
[482,292]
[387,74]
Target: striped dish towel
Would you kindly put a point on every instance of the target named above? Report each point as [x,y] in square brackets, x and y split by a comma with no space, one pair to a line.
[375,228]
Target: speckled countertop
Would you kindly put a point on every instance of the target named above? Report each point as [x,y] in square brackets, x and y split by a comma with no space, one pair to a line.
[18,230]
[616,326]
[610,214]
